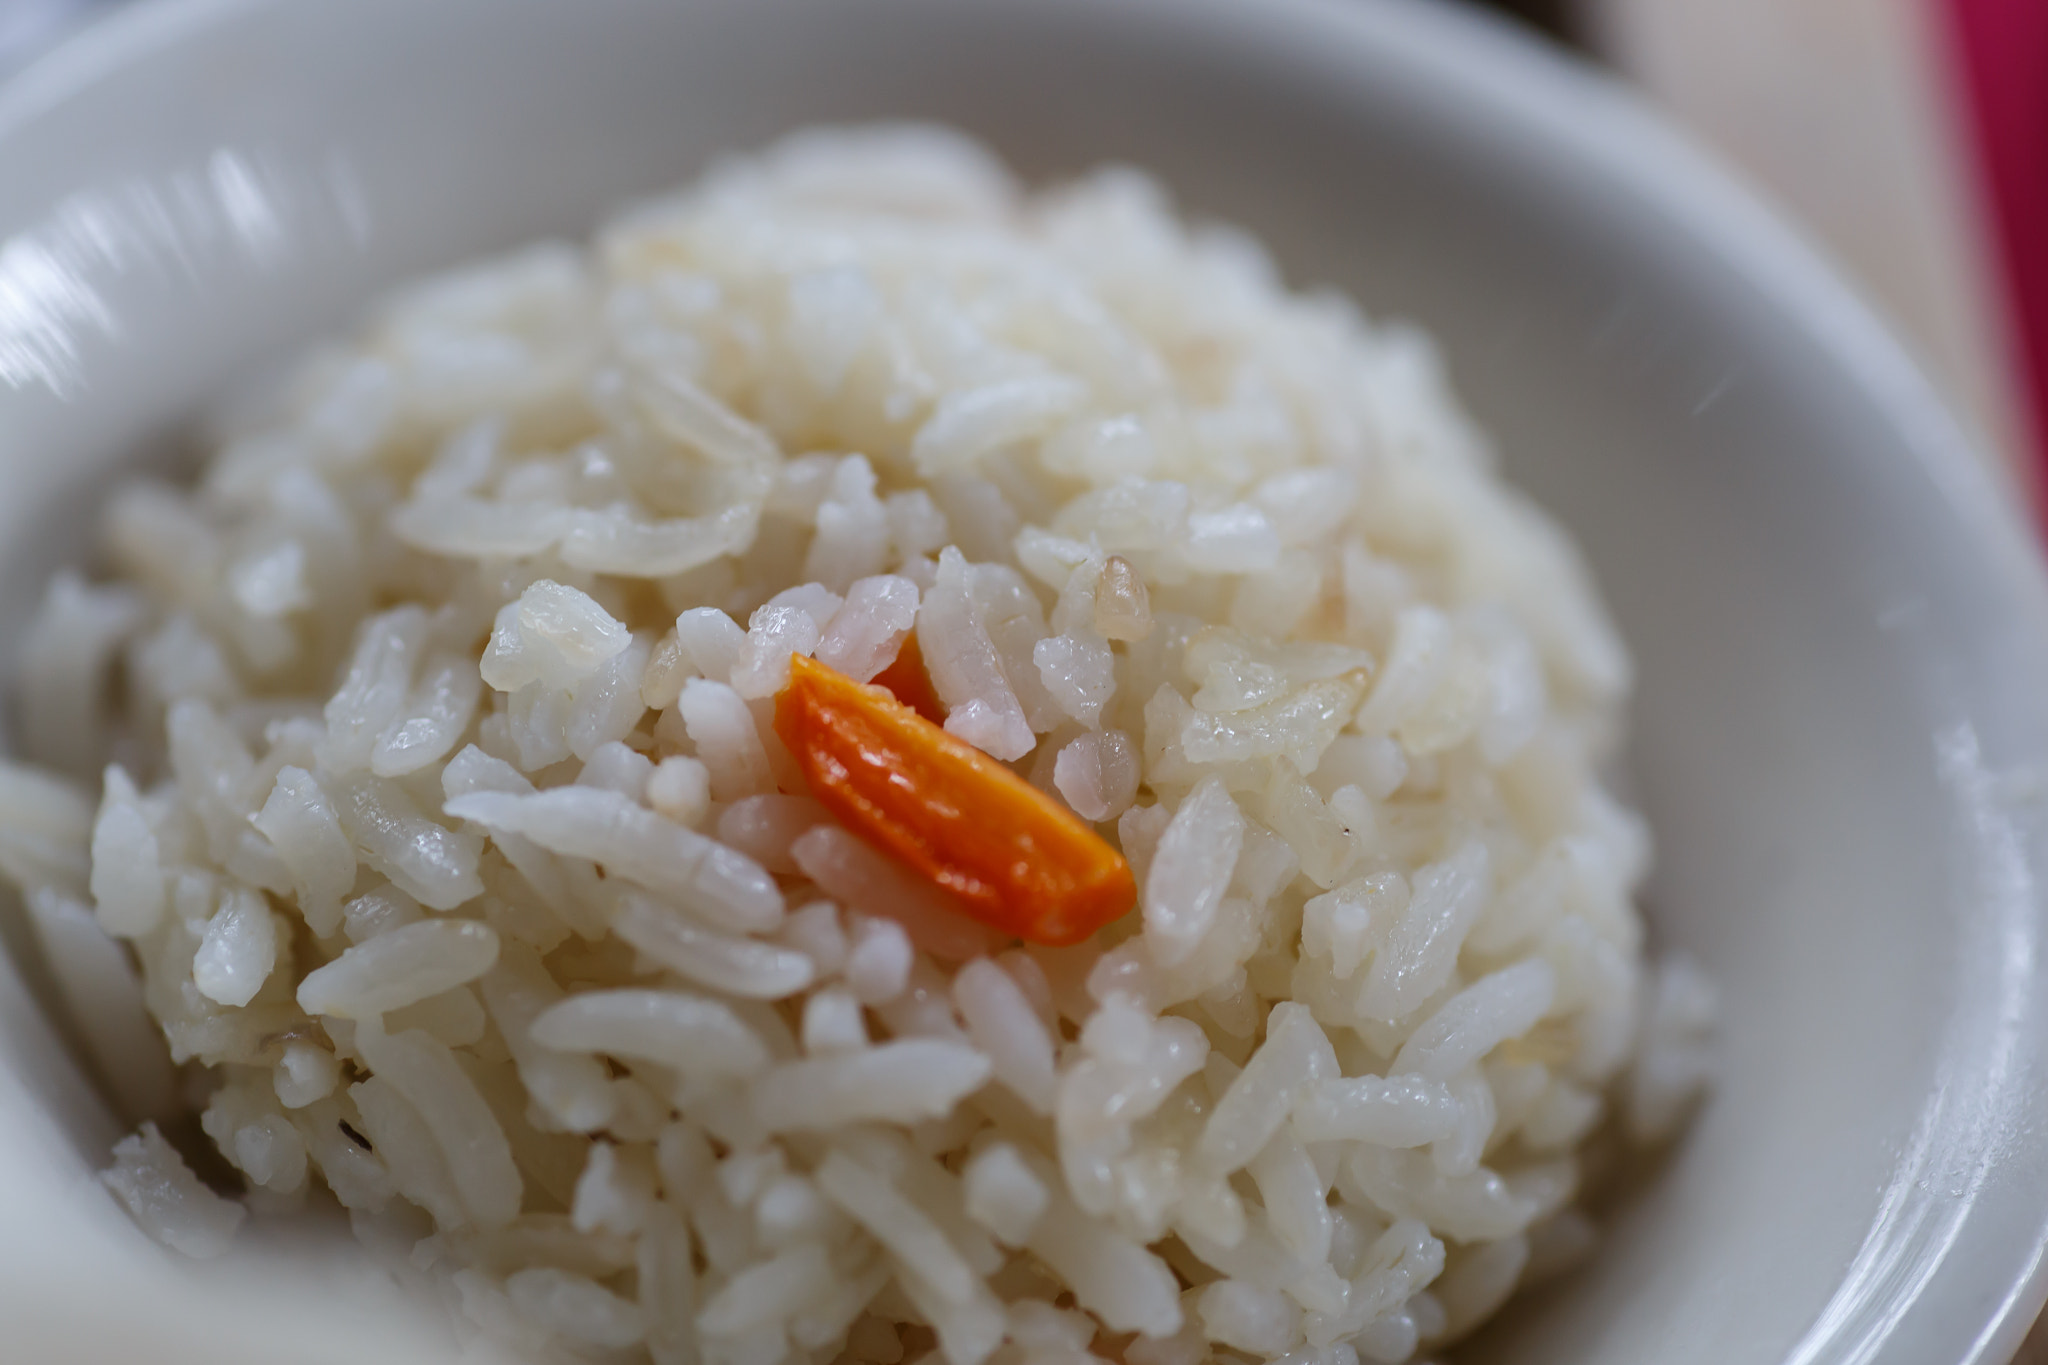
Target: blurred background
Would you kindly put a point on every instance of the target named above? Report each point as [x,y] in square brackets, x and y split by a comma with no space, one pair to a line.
[1908,137]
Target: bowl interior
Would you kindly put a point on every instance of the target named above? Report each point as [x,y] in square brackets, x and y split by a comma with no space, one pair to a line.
[1837,634]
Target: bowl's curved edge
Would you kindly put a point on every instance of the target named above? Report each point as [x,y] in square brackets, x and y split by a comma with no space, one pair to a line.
[104,43]
[1639,155]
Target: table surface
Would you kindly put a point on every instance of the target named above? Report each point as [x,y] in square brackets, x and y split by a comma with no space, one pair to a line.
[1844,112]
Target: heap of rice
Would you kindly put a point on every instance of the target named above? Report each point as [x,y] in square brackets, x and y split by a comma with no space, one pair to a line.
[447,831]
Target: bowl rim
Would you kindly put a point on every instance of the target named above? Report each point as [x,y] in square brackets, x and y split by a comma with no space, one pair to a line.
[1510,74]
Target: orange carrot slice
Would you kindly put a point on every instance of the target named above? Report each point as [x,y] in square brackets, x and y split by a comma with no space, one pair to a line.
[906,678]
[1017,860]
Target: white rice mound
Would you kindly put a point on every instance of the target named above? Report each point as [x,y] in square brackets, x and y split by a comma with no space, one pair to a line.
[444,822]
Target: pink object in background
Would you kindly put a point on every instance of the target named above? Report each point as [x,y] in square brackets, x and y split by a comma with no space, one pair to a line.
[2002,48]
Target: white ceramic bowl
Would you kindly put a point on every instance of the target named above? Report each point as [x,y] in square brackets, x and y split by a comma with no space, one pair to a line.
[1843,637]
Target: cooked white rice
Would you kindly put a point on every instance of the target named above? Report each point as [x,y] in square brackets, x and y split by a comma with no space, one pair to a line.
[443,821]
